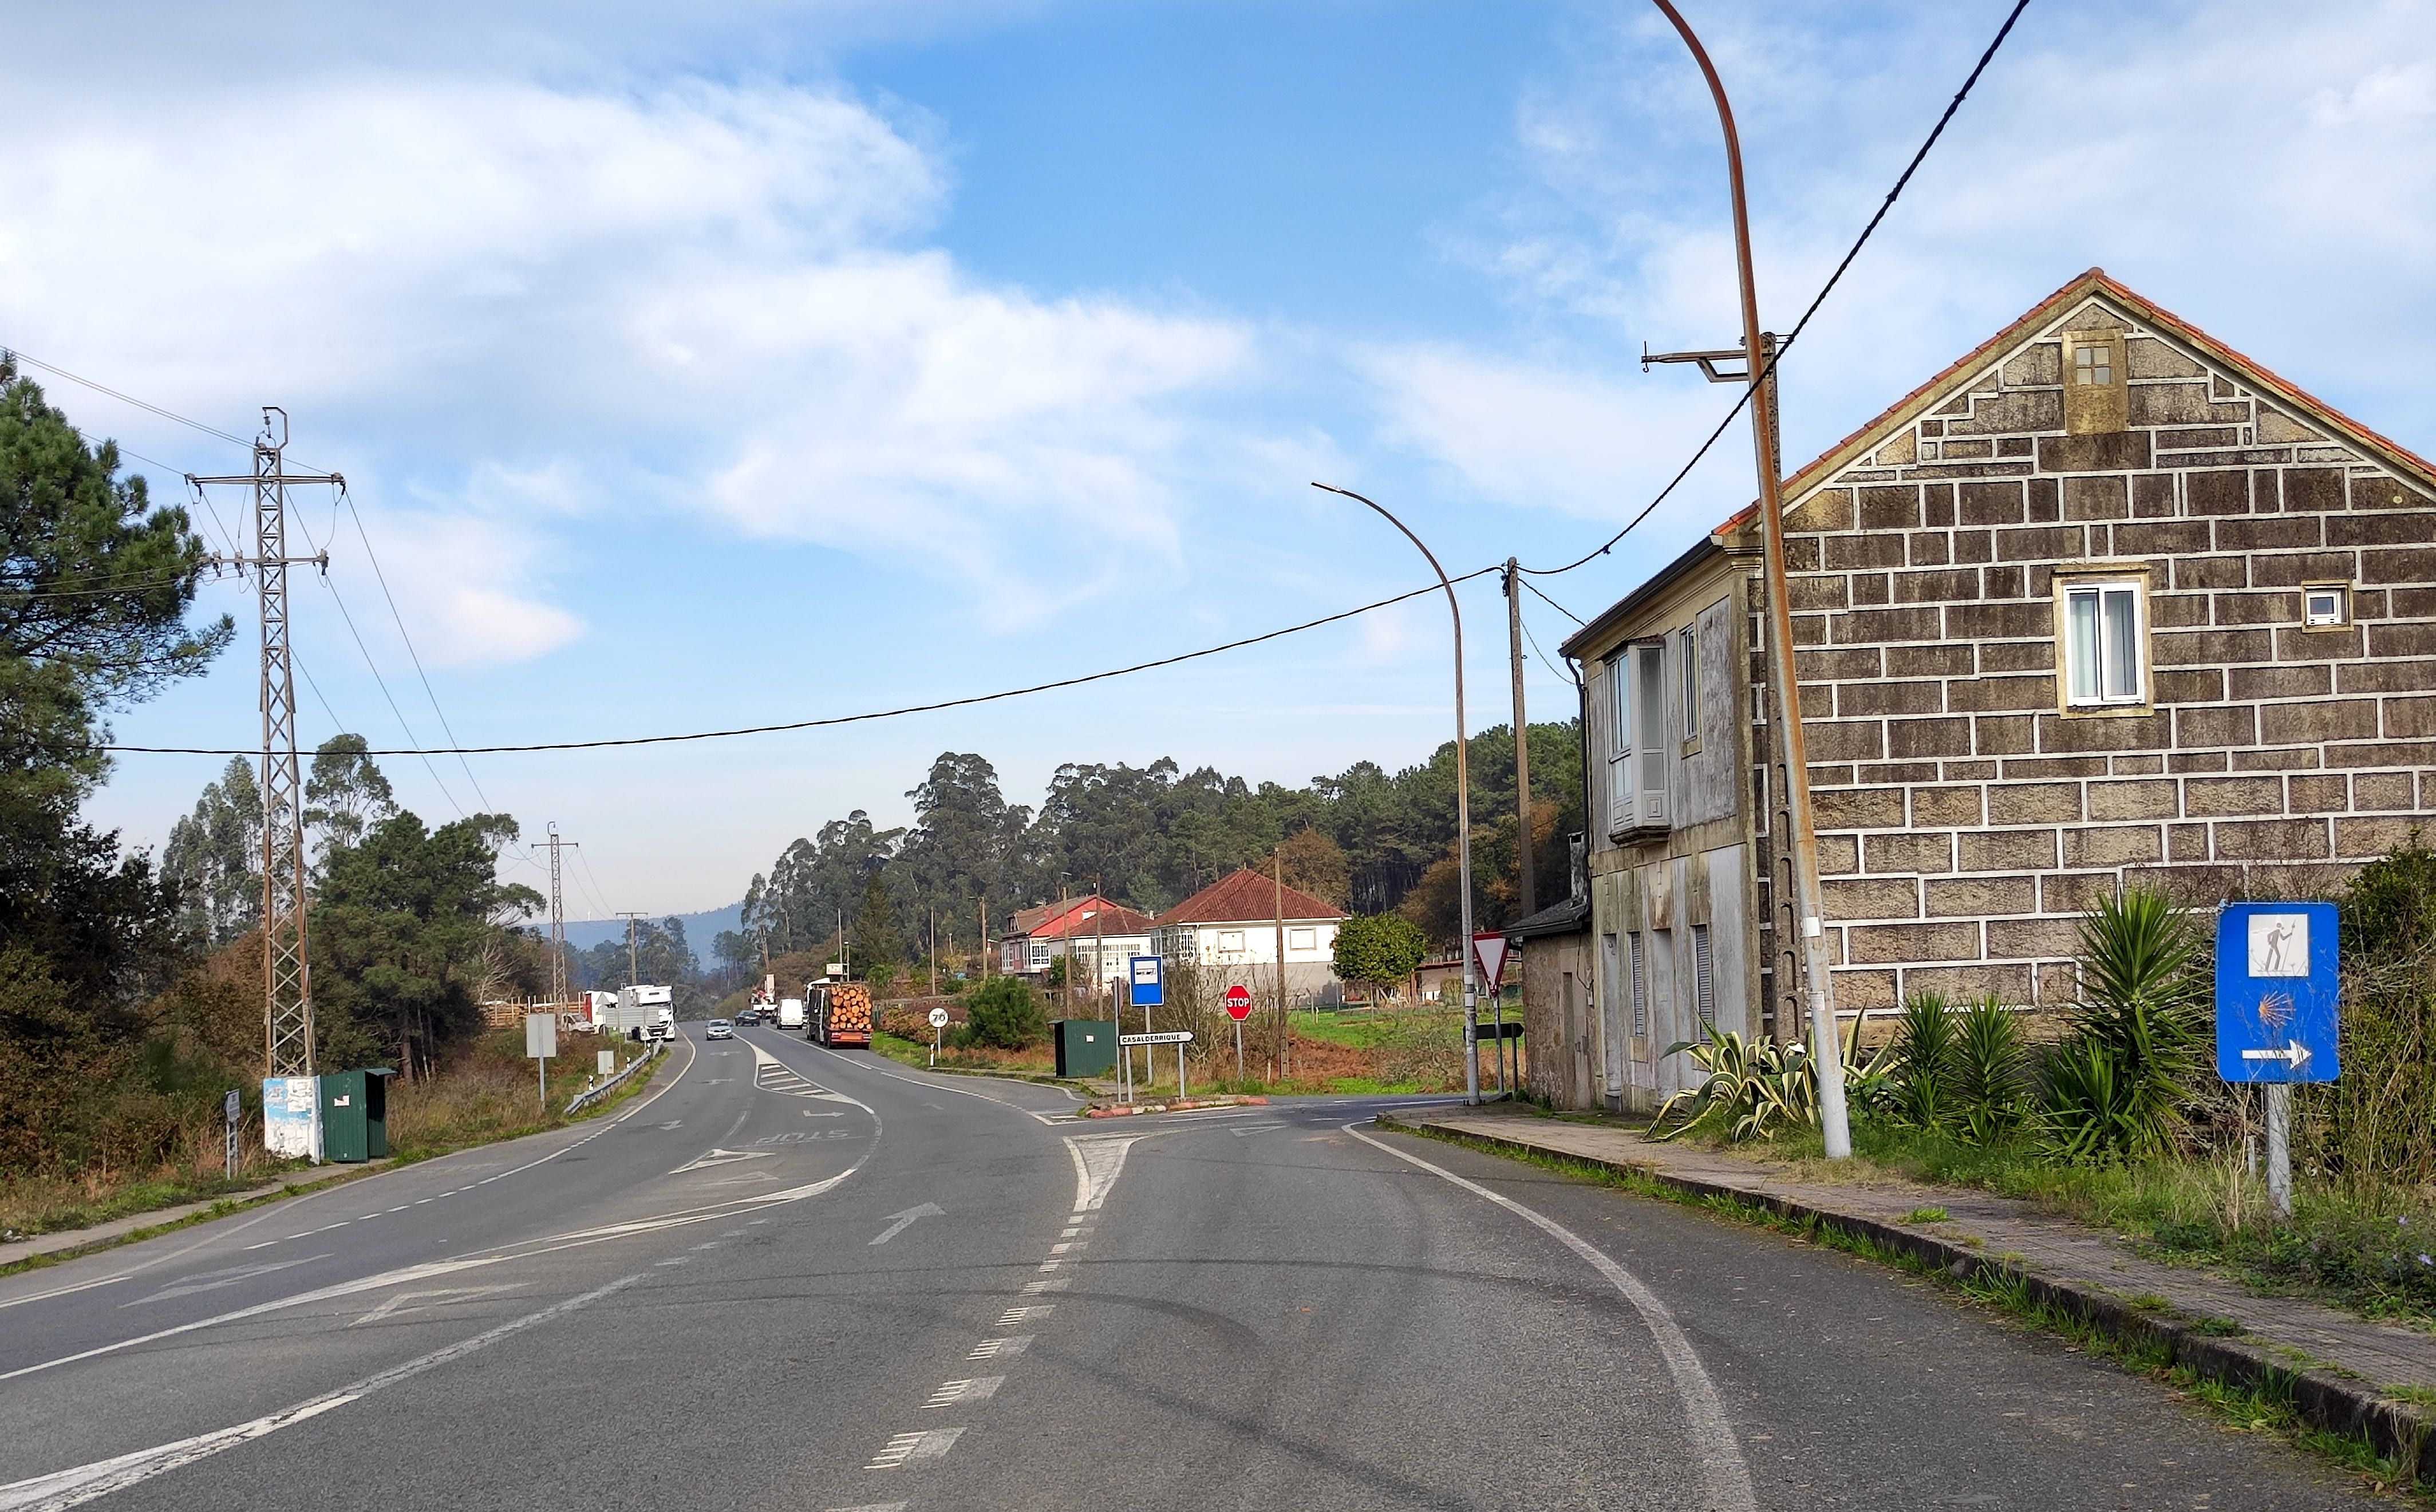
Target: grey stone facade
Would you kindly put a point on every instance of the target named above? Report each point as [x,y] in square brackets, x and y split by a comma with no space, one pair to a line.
[2053,622]
[1966,808]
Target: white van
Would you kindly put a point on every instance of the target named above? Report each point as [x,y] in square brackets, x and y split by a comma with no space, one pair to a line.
[791,1012]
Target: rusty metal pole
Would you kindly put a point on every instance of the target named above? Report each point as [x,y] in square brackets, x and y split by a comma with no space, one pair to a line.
[1462,807]
[1527,899]
[1826,1046]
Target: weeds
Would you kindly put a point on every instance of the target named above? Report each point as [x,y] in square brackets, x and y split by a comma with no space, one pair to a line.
[1925,1215]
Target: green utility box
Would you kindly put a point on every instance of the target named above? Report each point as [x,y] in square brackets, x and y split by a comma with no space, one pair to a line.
[354,1114]
[1086,1046]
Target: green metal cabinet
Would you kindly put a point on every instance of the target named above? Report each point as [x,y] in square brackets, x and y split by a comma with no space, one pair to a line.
[354,1114]
[1086,1046]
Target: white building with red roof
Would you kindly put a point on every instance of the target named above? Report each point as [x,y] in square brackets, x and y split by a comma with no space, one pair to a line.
[1233,926]
[1096,934]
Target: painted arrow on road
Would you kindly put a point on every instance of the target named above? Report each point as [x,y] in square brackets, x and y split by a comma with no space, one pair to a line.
[908,1219]
[2294,1055]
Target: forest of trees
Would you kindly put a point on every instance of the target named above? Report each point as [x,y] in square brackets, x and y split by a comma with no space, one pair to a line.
[1366,840]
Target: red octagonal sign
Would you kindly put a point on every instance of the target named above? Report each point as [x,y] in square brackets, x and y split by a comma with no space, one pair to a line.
[1239,1001]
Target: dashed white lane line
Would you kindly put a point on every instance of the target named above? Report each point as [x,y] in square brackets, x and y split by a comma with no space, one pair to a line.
[955,1393]
[872,1507]
[1024,1315]
[1036,1288]
[1000,1349]
[906,1448]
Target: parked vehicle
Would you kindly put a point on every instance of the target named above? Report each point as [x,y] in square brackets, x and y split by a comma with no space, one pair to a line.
[791,1012]
[719,1029]
[840,1013]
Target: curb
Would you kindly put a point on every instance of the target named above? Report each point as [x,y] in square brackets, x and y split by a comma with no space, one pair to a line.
[1181,1105]
[71,1244]
[2400,1430]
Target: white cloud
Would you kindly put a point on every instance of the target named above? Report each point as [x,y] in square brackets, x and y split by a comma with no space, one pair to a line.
[702,302]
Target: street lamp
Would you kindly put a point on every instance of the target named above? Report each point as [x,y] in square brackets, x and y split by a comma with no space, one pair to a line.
[1826,1047]
[1462,804]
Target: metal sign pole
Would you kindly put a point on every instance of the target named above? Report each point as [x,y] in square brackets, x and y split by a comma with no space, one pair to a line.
[2279,1149]
[234,1108]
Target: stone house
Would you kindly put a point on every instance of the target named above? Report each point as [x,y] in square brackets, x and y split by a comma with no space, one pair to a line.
[2103,601]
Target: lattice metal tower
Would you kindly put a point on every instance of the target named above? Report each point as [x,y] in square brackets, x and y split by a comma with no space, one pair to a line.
[557,923]
[286,973]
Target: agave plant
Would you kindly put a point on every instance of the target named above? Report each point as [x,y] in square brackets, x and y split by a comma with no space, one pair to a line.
[2117,1086]
[1759,1084]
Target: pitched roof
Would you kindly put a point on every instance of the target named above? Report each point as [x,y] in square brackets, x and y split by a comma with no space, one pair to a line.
[2094,282]
[1093,916]
[1023,921]
[1247,897]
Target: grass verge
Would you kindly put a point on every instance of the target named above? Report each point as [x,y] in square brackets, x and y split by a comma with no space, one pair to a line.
[2269,1404]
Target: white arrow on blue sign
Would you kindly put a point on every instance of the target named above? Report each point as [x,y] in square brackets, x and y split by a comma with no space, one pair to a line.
[2276,990]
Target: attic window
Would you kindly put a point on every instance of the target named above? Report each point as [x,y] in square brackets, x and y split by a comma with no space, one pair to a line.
[2094,396]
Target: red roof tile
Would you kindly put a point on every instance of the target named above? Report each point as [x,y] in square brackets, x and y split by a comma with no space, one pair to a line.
[1247,897]
[1088,917]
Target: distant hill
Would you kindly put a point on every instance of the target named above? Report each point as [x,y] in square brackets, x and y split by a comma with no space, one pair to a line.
[582,934]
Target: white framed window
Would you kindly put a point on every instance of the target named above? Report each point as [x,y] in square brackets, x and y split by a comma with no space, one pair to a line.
[1688,678]
[1650,692]
[1636,755]
[2325,605]
[1302,939]
[1040,952]
[1230,939]
[1619,743]
[2105,641]
[2093,364]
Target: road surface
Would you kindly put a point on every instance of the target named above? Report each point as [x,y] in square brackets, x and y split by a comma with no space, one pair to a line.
[789,1277]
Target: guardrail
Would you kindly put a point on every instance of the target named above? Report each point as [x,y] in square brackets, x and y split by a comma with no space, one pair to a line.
[651,1050]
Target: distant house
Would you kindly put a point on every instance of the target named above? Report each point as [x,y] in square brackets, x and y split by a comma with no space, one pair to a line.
[1094,934]
[2105,601]
[1232,925]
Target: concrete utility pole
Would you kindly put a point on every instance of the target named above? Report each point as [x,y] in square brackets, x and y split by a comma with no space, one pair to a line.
[286,974]
[557,921]
[1462,807]
[634,971]
[1526,898]
[1277,895]
[1826,1046]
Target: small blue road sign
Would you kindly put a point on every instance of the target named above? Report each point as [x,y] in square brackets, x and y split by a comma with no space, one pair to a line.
[1149,984]
[2275,991]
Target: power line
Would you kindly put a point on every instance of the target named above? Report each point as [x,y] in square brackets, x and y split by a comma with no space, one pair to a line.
[1784,343]
[382,578]
[12,353]
[382,683]
[1554,604]
[848,719]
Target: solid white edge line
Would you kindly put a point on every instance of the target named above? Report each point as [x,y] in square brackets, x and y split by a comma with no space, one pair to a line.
[936,1086]
[1720,1453]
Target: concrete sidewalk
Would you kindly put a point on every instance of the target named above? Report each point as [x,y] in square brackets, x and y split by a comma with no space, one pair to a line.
[74,1240]
[2343,1369]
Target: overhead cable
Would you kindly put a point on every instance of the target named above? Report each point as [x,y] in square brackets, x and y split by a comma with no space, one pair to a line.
[1784,342]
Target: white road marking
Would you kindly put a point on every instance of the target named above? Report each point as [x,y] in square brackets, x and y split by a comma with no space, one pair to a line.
[905,1448]
[872,1507]
[1000,1348]
[1715,1447]
[1098,1162]
[1018,1314]
[908,1219]
[432,1298]
[717,1157]
[72,1487]
[933,1086]
[62,1290]
[214,1280]
[1035,1288]
[978,1388]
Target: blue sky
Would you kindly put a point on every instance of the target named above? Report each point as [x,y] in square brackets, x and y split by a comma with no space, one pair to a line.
[769,361]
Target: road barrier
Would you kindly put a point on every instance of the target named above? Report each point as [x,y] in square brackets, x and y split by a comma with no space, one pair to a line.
[590,1095]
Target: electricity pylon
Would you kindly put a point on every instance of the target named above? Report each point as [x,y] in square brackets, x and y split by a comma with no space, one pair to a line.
[557,922]
[286,974]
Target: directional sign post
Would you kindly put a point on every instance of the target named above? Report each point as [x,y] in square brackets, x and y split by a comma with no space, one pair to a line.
[1178,1037]
[2276,1014]
[541,1043]
[234,1108]
[1239,1007]
[1145,989]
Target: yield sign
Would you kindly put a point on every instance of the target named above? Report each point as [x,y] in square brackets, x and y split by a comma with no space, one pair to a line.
[1239,1001]
[1489,950]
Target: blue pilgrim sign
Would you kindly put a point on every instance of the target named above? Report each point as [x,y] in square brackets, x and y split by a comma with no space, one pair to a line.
[2275,991]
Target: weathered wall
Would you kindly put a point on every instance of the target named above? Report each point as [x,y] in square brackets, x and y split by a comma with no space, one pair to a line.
[1559,1021]
[1964,820]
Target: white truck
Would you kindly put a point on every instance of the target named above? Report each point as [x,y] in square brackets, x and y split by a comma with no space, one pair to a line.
[647,1011]
[791,1012]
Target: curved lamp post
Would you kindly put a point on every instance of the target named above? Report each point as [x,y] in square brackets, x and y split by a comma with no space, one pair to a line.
[1826,1047]
[1462,802]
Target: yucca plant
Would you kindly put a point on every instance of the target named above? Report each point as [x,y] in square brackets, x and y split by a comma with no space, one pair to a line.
[2117,1086]
[1926,1047]
[1989,1084]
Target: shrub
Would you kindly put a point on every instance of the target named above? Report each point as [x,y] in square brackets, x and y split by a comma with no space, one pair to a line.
[1005,1014]
[1927,1052]
[1988,1071]
[2119,1086]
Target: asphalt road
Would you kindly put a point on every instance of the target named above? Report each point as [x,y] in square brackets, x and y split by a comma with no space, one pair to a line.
[801,1279]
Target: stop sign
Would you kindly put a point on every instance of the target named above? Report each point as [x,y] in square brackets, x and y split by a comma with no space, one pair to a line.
[1239,1001]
